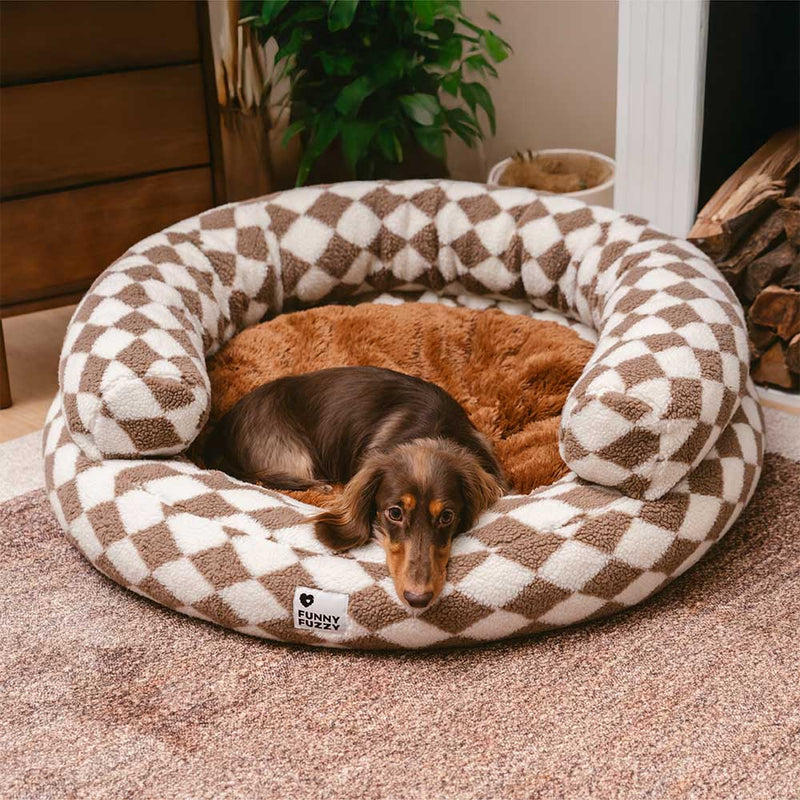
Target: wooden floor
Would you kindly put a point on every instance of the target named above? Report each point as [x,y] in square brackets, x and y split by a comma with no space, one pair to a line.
[33,343]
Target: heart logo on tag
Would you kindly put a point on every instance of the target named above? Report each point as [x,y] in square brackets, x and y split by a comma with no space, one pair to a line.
[323,612]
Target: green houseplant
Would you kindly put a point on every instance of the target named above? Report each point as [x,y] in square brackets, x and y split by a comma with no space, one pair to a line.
[377,79]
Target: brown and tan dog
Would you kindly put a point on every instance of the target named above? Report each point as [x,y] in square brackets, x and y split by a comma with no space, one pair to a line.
[510,374]
[416,470]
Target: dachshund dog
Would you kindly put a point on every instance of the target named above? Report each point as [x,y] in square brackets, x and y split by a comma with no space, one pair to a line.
[416,470]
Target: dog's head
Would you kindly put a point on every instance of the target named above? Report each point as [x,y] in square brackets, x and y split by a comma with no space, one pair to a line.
[416,497]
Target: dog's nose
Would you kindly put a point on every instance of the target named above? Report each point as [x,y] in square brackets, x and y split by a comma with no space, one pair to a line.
[418,600]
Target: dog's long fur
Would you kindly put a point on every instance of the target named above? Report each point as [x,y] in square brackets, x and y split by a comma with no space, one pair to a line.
[303,430]
[395,440]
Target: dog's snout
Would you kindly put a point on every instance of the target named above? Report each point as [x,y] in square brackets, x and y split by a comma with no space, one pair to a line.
[417,600]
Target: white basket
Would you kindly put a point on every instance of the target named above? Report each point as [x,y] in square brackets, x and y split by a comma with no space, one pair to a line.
[600,195]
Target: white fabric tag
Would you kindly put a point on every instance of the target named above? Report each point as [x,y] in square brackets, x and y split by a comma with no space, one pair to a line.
[321,612]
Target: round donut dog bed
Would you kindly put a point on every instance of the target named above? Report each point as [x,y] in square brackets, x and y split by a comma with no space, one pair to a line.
[662,432]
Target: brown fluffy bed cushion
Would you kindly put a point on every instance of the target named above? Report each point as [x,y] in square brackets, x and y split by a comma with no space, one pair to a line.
[510,373]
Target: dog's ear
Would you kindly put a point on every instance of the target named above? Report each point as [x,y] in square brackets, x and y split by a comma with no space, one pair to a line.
[348,523]
[481,490]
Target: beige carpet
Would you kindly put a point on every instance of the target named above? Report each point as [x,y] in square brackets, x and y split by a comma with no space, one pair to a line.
[694,694]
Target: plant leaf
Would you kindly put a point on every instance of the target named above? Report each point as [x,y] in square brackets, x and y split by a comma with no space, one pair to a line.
[324,133]
[303,168]
[480,65]
[292,47]
[444,28]
[425,12]
[292,131]
[449,52]
[495,47]
[450,9]
[492,16]
[353,95]
[391,68]
[432,140]
[477,95]
[463,125]
[422,108]
[451,82]
[337,63]
[271,8]
[249,8]
[305,12]
[325,128]
[389,145]
[341,13]
[356,137]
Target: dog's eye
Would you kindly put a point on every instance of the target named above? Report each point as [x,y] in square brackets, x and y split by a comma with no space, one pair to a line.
[395,513]
[446,517]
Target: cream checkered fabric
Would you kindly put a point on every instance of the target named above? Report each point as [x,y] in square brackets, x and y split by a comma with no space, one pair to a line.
[671,360]
[663,431]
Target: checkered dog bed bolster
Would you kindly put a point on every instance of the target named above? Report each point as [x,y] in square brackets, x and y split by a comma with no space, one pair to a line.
[662,431]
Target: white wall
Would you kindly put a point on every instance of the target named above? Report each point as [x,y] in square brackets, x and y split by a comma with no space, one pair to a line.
[558,88]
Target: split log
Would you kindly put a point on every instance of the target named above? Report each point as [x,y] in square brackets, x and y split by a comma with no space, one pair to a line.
[772,368]
[747,196]
[779,309]
[768,269]
[762,238]
[791,224]
[791,280]
[790,203]
[761,338]
[793,355]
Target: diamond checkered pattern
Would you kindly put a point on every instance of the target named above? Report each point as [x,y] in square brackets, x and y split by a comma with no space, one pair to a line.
[663,431]
[232,553]
[667,376]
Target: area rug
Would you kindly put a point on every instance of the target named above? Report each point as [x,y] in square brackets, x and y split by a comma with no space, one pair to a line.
[693,694]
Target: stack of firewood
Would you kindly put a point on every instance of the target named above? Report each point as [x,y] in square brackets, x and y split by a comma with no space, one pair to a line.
[751,230]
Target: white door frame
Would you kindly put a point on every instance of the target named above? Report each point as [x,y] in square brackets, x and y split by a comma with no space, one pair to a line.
[660,89]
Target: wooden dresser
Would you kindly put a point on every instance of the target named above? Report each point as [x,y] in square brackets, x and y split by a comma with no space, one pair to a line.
[108,132]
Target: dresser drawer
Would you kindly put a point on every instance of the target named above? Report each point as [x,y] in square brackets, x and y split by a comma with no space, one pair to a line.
[72,132]
[58,243]
[52,39]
